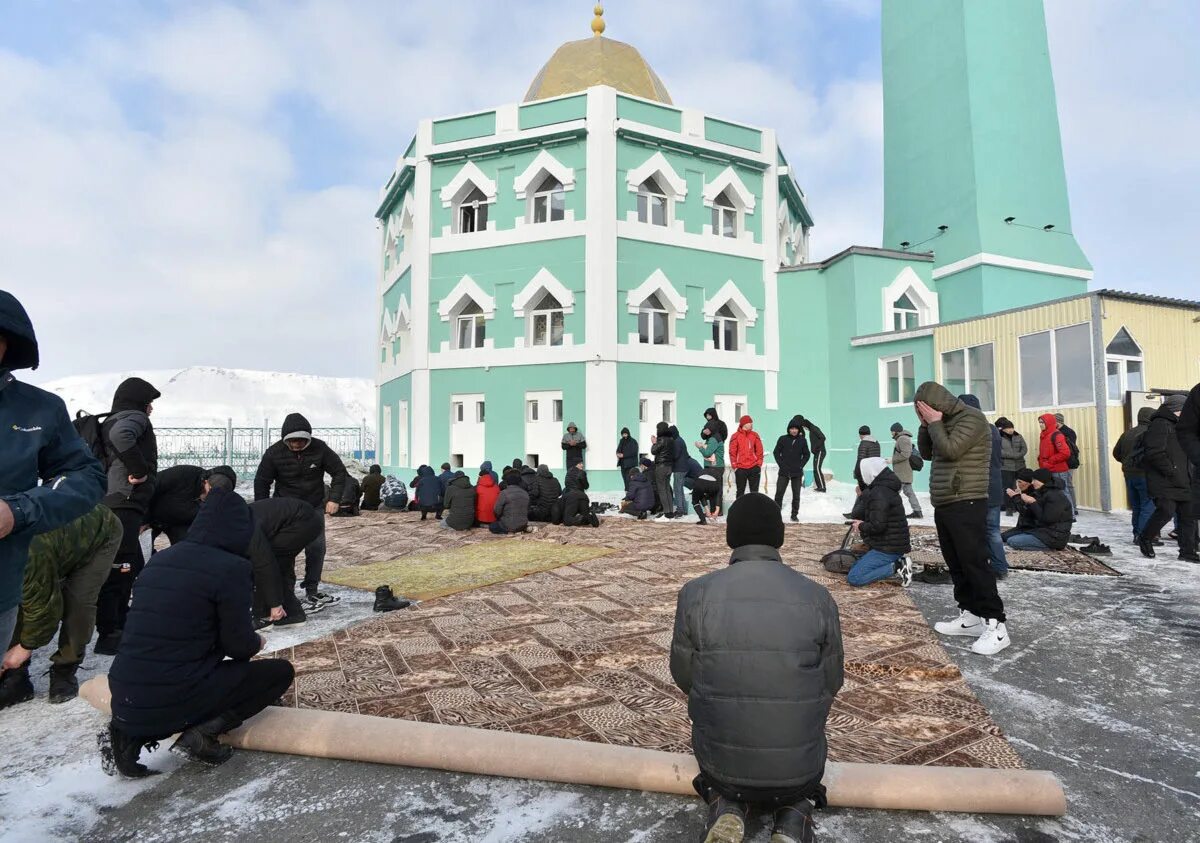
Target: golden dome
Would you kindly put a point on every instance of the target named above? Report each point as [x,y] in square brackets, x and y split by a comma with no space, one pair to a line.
[578,65]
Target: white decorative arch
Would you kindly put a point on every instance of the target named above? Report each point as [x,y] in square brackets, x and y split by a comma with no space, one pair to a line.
[544,281]
[657,165]
[459,186]
[394,323]
[401,221]
[731,295]
[926,300]
[656,283]
[466,289]
[729,180]
[546,163]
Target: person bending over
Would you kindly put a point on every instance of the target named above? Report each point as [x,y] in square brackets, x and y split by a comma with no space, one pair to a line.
[879,516]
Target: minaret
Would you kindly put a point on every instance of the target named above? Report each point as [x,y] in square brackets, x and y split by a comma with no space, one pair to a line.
[971,142]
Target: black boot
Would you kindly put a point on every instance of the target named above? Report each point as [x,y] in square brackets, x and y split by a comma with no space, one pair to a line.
[386,601]
[794,824]
[108,644]
[15,686]
[63,684]
[119,753]
[726,822]
[200,743]
[1146,546]
[700,512]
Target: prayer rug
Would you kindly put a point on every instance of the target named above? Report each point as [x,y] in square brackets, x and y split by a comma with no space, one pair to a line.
[927,551]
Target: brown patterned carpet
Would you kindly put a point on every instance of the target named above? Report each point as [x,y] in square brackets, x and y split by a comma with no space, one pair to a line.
[581,651]
[927,551]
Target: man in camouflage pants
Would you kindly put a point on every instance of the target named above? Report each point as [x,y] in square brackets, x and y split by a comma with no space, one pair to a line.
[66,569]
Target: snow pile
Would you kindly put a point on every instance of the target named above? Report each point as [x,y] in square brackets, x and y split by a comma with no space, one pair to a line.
[203,396]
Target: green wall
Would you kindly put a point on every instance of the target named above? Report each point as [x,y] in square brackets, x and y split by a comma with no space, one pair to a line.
[732,134]
[390,394]
[536,114]
[464,128]
[661,116]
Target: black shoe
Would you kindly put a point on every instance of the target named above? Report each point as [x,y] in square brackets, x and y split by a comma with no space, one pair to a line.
[794,824]
[108,644]
[726,821]
[200,743]
[796,517]
[641,516]
[1189,557]
[700,513]
[119,753]
[594,520]
[15,686]
[932,575]
[914,514]
[292,619]
[1146,546]
[386,601]
[63,684]
[849,516]
[1096,548]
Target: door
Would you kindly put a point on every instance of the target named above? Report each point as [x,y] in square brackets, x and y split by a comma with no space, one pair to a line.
[402,434]
[544,429]
[729,409]
[653,407]
[387,435]
[467,426]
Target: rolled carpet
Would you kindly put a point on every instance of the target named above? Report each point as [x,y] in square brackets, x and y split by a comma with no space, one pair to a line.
[383,740]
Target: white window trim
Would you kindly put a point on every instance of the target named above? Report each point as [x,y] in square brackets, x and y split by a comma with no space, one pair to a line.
[731,295]
[739,329]
[729,180]
[543,165]
[543,282]
[400,224]
[1054,372]
[465,180]
[883,377]
[530,327]
[658,166]
[926,299]
[657,283]
[398,322]
[1123,360]
[966,352]
[466,288]
[454,333]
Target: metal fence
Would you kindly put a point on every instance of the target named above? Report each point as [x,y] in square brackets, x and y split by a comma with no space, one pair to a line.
[242,447]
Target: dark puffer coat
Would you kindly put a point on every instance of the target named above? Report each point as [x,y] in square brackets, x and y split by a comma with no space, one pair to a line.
[130,445]
[547,489]
[300,474]
[867,448]
[884,526]
[512,508]
[190,610]
[576,506]
[791,452]
[428,488]
[1123,451]
[177,492]
[995,476]
[1166,464]
[1049,518]
[959,446]
[627,451]
[1188,431]
[663,448]
[758,650]
[714,425]
[371,484]
[1013,450]
[460,503]
[641,492]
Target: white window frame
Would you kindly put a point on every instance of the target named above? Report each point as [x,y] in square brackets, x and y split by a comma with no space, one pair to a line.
[476,205]
[969,386]
[884,362]
[546,198]
[531,410]
[1054,371]
[1123,361]
[726,212]
[907,282]
[457,413]
[480,412]
[556,409]
[546,314]
[467,180]
[478,320]
[902,313]
[672,185]
[645,210]
[648,311]
[643,409]
[719,330]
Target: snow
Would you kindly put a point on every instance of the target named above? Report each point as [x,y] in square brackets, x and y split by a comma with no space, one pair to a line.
[200,396]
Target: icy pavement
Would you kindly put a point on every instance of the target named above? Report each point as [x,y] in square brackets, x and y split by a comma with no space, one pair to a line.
[1101,685]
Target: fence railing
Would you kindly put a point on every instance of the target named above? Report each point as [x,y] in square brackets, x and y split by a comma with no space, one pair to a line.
[242,447]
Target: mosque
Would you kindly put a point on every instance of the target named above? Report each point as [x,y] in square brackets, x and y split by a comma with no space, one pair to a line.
[598,254]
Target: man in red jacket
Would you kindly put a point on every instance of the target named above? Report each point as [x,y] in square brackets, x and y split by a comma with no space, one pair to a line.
[746,456]
[1053,453]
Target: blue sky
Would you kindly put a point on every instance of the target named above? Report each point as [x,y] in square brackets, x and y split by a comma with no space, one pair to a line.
[193,183]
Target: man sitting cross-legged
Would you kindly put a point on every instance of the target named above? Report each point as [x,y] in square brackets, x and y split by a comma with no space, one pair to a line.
[1044,514]
[758,650]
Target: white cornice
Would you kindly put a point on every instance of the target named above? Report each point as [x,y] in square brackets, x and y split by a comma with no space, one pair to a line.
[988,259]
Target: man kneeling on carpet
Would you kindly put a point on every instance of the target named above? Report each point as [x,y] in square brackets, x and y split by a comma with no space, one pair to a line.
[879,516]
[1044,512]
[758,650]
[191,610]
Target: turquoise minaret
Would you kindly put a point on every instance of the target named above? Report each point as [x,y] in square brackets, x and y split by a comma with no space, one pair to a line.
[971,139]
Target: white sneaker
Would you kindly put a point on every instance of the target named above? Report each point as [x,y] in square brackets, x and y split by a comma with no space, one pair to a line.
[993,640]
[904,570]
[965,624]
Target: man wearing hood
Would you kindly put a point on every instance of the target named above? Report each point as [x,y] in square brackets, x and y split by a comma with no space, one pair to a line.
[460,503]
[1140,505]
[576,506]
[956,438]
[573,445]
[995,498]
[38,442]
[791,455]
[816,443]
[132,452]
[544,495]
[868,446]
[296,465]
[371,484]
[639,494]
[512,506]
[1054,453]
[879,517]
[901,465]
[662,446]
[486,468]
[1012,457]
[679,466]
[185,660]
[714,425]
[627,455]
[746,456]
[1044,512]
[1169,480]
[487,491]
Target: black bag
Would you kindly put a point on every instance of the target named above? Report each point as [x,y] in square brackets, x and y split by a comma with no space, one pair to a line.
[90,430]
[916,461]
[1073,459]
[840,561]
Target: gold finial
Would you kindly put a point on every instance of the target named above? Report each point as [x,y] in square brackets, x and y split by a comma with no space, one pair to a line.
[598,21]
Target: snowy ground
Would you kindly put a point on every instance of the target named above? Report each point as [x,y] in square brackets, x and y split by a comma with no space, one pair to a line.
[1102,686]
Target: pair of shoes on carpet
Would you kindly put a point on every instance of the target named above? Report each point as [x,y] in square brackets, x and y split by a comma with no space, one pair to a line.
[991,636]
[932,575]
[1095,548]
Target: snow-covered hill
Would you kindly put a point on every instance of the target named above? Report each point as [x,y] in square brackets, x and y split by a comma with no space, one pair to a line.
[200,396]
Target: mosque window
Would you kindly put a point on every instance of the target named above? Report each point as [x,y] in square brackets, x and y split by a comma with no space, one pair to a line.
[971,370]
[549,201]
[724,216]
[726,328]
[1056,367]
[651,203]
[1124,367]
[546,322]
[472,212]
[469,326]
[897,381]
[905,313]
[654,322]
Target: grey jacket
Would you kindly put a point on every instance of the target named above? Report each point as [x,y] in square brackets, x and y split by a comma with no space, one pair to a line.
[758,650]
[1012,451]
[129,439]
[512,508]
[903,449]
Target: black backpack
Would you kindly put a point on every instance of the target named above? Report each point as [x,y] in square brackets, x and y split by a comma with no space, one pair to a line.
[1073,459]
[90,430]
[916,461]
[840,561]
[1137,457]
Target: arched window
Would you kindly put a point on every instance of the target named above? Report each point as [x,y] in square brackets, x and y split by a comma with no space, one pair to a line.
[654,321]
[469,329]
[549,201]
[724,216]
[905,313]
[726,330]
[651,203]
[1124,366]
[546,322]
[471,213]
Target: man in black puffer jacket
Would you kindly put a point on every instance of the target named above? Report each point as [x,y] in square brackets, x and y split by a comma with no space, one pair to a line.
[663,449]
[545,493]
[758,650]
[1168,477]
[791,455]
[576,506]
[880,519]
[1044,512]
[177,493]
[184,664]
[460,503]
[296,465]
[816,441]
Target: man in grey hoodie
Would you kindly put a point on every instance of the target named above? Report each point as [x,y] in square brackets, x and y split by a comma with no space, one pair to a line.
[901,466]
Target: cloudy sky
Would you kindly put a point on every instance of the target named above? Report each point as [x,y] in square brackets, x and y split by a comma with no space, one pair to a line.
[193,183]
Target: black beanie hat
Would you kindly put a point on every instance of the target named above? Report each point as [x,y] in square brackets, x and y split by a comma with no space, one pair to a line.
[1025,475]
[1043,475]
[1003,423]
[897,427]
[754,519]
[864,431]
[225,470]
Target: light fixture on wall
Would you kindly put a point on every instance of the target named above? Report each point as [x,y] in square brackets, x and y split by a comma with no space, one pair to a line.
[943,228]
[1010,220]
[1048,227]
[904,244]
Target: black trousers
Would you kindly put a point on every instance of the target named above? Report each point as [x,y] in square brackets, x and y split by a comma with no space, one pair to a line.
[781,486]
[962,533]
[286,545]
[112,605]
[266,681]
[742,476]
[1010,482]
[768,797]
[706,493]
[818,462]
[662,485]
[1165,511]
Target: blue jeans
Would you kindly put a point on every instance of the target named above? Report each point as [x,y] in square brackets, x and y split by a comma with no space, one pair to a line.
[995,543]
[1140,502]
[875,565]
[1067,480]
[1025,541]
[680,492]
